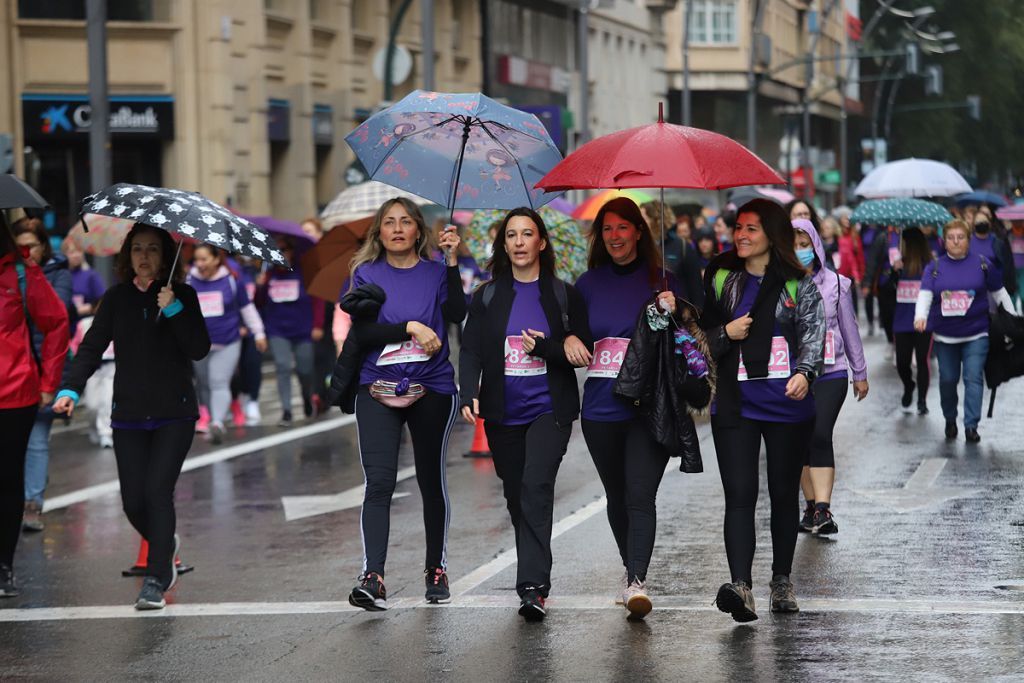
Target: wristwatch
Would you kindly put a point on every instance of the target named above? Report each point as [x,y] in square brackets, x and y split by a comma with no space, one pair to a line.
[810,375]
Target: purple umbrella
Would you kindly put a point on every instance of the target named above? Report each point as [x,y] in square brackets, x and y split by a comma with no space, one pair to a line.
[562,205]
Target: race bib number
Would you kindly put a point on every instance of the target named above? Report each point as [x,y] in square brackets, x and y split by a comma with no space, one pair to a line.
[608,355]
[283,291]
[211,304]
[408,351]
[778,362]
[894,255]
[837,260]
[518,363]
[954,304]
[907,291]
[1017,245]
[830,348]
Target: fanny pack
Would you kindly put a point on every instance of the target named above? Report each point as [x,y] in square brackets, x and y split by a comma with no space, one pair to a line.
[397,394]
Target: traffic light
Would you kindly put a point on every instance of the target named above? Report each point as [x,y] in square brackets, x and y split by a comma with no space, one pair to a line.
[974,107]
[933,80]
[913,54]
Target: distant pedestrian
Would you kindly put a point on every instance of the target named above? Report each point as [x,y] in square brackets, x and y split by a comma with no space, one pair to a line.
[915,257]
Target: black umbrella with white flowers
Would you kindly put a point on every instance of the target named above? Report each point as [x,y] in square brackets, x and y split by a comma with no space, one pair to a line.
[188,214]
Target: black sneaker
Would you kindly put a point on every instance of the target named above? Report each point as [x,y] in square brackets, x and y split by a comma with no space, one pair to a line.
[370,594]
[151,596]
[783,598]
[307,407]
[922,408]
[286,419]
[951,430]
[908,395]
[823,522]
[807,521]
[531,607]
[737,600]
[7,587]
[971,434]
[437,585]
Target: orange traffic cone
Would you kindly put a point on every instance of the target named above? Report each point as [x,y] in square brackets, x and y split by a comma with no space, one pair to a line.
[479,449]
[139,568]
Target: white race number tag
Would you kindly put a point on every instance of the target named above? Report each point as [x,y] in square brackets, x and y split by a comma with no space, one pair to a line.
[954,304]
[518,363]
[778,362]
[907,291]
[283,291]
[211,304]
[608,355]
[408,351]
[830,348]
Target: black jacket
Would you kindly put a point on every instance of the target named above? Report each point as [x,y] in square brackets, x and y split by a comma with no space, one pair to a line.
[152,354]
[658,382]
[483,350]
[363,304]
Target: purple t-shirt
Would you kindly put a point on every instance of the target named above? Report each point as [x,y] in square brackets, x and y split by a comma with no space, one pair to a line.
[221,301]
[903,314]
[615,298]
[985,247]
[527,395]
[86,286]
[288,310]
[1017,249]
[412,294]
[960,289]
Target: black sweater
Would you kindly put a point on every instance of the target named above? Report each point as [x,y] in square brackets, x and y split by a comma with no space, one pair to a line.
[152,354]
[483,344]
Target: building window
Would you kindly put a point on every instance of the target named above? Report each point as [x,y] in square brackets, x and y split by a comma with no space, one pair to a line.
[117,10]
[713,22]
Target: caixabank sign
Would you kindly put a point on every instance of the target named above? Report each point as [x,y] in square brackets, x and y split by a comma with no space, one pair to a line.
[48,116]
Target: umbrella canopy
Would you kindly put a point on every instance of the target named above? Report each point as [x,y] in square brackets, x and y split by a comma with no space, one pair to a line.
[325,267]
[902,212]
[362,200]
[746,194]
[1011,213]
[567,240]
[913,178]
[15,193]
[563,205]
[277,226]
[189,214]
[460,150]
[104,236]
[981,197]
[587,211]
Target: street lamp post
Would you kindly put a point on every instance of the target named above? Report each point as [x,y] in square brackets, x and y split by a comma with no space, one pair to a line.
[685,109]
[99,101]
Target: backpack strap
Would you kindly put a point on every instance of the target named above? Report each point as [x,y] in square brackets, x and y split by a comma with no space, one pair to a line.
[19,266]
[720,277]
[791,287]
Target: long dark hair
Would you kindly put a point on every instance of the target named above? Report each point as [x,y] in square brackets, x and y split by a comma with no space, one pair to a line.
[916,253]
[167,251]
[815,218]
[626,208]
[500,262]
[777,226]
[7,243]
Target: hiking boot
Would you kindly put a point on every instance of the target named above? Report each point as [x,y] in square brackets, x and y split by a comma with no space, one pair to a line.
[437,585]
[636,600]
[807,520]
[908,395]
[151,596]
[531,606]
[951,430]
[737,600]
[783,598]
[7,587]
[370,594]
[31,521]
[823,522]
[971,434]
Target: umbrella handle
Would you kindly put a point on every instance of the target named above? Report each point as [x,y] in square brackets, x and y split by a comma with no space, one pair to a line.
[170,274]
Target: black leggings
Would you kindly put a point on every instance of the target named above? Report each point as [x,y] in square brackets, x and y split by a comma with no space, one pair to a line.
[430,421]
[869,308]
[249,377]
[887,310]
[631,464]
[526,458]
[829,397]
[15,427]
[738,448]
[148,464]
[914,344]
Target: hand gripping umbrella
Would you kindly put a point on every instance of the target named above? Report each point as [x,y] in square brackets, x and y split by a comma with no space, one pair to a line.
[660,155]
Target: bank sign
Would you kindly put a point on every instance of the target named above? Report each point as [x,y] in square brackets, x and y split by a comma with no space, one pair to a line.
[49,117]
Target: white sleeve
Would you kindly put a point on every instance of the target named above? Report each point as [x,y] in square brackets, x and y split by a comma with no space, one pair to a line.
[1003,297]
[924,304]
[252,320]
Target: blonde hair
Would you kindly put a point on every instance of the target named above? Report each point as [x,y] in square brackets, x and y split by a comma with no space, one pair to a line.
[668,217]
[372,250]
[957,224]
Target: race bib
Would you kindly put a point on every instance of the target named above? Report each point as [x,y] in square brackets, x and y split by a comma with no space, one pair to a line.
[519,363]
[211,304]
[1017,245]
[408,351]
[778,362]
[954,304]
[837,260]
[608,355]
[830,348]
[907,291]
[283,291]
[894,255]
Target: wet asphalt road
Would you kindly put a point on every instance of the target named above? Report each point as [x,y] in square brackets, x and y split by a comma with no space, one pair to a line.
[925,580]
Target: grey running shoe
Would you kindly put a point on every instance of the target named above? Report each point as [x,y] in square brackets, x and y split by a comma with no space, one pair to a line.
[31,520]
[7,587]
[737,600]
[151,596]
[783,597]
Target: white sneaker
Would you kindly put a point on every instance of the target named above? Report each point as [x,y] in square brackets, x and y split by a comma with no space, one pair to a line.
[624,582]
[252,413]
[637,601]
[106,442]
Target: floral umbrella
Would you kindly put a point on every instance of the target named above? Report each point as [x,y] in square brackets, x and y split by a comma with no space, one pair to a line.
[567,239]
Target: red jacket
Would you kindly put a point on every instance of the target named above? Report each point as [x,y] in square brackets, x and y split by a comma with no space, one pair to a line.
[851,256]
[21,383]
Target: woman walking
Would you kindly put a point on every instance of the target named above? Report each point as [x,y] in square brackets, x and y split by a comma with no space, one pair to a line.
[766,326]
[953,304]
[405,379]
[915,256]
[158,330]
[513,372]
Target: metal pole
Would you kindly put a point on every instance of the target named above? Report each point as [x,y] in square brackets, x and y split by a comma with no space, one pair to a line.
[876,105]
[755,29]
[396,24]
[427,29]
[99,101]
[688,10]
[582,42]
[843,150]
[889,107]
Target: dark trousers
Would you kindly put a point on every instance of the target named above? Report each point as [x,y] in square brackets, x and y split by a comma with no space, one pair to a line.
[631,464]
[249,377]
[430,422]
[886,310]
[325,356]
[738,448]
[526,458]
[829,397]
[15,428]
[148,464]
[916,344]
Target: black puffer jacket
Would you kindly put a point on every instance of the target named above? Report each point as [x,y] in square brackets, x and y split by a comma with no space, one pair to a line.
[363,304]
[658,382]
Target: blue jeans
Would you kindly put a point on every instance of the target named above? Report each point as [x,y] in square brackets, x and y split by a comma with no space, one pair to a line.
[37,457]
[972,356]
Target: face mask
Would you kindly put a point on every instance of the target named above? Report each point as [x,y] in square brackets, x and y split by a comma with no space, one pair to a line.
[805,256]
[981,228]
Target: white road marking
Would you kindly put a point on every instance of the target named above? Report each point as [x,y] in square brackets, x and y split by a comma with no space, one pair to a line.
[299,507]
[220,455]
[926,473]
[920,491]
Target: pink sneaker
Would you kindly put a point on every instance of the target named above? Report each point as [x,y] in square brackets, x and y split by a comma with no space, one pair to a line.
[237,414]
[203,424]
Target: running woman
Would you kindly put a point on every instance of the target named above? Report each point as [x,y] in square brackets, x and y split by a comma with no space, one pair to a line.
[953,303]
[843,360]
[226,307]
[528,395]
[766,327]
[406,379]
[915,256]
[158,331]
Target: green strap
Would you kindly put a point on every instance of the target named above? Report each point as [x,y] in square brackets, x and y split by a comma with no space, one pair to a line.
[791,286]
[722,274]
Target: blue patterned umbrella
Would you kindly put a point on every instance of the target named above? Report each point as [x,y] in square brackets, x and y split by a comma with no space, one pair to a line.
[459,150]
[901,212]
